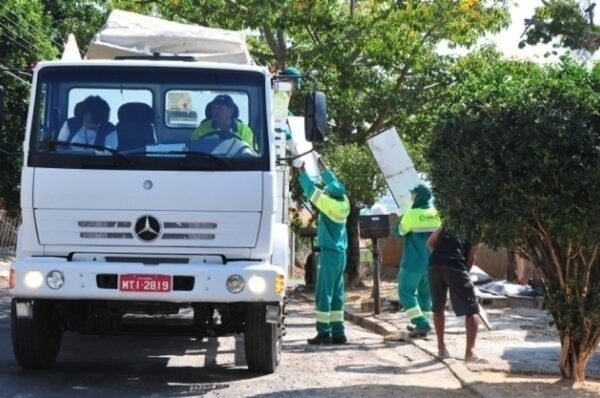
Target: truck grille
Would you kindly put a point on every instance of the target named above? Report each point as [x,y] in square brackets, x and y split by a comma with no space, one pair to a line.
[171,230]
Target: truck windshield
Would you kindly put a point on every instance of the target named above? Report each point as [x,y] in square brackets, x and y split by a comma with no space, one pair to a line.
[149,117]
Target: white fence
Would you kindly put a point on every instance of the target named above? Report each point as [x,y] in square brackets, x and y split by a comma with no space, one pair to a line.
[8,233]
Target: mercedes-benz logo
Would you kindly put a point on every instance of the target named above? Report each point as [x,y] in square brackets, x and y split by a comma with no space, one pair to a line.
[147,228]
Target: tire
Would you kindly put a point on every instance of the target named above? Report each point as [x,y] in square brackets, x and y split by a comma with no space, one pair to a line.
[36,341]
[262,340]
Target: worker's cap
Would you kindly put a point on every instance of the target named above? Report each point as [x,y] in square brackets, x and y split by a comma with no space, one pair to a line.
[335,189]
[421,192]
[223,99]
[293,73]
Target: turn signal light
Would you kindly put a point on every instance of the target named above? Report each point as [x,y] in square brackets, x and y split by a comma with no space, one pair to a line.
[279,284]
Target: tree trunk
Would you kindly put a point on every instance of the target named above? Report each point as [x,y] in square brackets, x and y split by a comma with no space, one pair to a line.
[570,274]
[573,360]
[511,268]
[353,247]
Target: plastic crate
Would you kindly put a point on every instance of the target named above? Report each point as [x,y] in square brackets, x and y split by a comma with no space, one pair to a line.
[375,226]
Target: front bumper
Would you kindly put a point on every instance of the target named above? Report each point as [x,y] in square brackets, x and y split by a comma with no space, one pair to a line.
[81,282]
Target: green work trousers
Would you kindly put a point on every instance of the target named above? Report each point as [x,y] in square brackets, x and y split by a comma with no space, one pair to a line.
[329,294]
[414,294]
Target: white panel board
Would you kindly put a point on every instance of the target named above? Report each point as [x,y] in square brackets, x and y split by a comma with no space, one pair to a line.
[296,124]
[395,164]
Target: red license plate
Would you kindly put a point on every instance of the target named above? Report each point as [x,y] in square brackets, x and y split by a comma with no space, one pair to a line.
[144,283]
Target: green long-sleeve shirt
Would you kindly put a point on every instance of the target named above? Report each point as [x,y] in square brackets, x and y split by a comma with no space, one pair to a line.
[331,228]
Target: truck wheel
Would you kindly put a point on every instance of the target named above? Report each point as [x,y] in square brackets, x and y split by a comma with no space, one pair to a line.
[36,341]
[262,341]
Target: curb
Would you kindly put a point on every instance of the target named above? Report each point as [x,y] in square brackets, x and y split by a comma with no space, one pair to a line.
[374,325]
[466,378]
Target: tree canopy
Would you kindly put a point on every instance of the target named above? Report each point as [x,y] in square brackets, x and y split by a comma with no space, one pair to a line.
[377,61]
[514,158]
[24,31]
[570,21]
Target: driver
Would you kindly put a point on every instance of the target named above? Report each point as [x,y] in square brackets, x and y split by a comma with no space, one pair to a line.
[223,115]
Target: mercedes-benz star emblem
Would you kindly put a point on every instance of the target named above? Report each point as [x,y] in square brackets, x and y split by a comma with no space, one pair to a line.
[147,228]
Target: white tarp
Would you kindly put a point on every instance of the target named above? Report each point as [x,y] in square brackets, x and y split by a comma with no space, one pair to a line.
[395,164]
[130,34]
[311,166]
[71,50]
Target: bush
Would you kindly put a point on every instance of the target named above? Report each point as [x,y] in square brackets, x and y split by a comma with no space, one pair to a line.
[515,161]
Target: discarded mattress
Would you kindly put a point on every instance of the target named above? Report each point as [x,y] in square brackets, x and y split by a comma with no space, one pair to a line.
[503,288]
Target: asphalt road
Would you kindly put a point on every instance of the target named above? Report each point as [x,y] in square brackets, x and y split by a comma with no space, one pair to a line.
[182,367]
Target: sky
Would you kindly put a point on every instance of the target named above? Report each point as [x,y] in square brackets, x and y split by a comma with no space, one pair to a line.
[507,41]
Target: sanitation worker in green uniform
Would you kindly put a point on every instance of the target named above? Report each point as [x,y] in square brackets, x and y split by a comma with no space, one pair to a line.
[334,208]
[413,283]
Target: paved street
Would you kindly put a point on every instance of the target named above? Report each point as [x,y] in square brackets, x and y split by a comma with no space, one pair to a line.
[180,367]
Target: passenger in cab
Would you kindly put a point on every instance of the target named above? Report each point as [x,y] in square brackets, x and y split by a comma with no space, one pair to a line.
[222,117]
[90,124]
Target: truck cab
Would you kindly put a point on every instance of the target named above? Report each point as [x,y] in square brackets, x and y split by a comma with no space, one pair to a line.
[149,218]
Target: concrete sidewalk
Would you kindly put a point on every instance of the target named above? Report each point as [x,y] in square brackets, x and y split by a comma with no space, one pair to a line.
[522,341]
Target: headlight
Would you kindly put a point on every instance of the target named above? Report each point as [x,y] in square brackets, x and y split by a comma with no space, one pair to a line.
[34,279]
[235,283]
[55,279]
[257,284]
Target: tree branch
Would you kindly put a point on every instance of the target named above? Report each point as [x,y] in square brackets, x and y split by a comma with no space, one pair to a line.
[378,124]
[273,45]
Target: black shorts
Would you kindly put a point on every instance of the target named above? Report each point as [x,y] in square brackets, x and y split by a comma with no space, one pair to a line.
[462,290]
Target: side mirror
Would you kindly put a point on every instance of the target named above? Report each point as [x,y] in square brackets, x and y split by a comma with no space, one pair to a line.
[315,116]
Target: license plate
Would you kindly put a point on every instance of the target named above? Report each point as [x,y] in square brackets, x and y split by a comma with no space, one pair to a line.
[144,283]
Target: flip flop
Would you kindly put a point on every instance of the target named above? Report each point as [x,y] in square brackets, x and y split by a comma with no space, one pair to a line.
[477,360]
[445,355]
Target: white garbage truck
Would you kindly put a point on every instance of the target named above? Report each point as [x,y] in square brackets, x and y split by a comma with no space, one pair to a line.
[141,209]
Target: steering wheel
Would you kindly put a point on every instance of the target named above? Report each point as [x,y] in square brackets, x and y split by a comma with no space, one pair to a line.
[219,134]
[244,147]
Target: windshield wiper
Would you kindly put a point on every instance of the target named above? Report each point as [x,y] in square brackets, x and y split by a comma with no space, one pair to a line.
[188,154]
[114,152]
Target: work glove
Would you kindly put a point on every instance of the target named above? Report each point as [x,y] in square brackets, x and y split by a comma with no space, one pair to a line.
[298,163]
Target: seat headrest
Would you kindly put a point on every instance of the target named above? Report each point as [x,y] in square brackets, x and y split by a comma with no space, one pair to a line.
[135,112]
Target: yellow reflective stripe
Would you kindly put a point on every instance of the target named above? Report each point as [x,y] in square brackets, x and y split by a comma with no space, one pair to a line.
[428,314]
[337,316]
[336,210]
[413,312]
[426,229]
[323,317]
[316,195]
[401,231]
[419,220]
